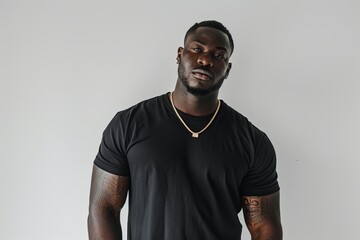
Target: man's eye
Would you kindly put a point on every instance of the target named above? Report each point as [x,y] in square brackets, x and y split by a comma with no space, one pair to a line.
[197,50]
[219,56]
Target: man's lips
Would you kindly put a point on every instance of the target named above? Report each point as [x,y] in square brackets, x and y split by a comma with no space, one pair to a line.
[202,74]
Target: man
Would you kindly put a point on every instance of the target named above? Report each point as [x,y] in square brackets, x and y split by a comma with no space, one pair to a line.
[189,161]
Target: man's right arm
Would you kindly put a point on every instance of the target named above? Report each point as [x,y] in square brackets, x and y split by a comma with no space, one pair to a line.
[107,197]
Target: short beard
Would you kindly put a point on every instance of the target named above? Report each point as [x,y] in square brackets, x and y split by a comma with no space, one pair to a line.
[199,92]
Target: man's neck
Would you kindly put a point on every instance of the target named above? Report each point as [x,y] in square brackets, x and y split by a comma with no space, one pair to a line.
[194,105]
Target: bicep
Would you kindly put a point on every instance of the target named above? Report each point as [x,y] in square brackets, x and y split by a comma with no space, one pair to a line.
[108,190]
[262,212]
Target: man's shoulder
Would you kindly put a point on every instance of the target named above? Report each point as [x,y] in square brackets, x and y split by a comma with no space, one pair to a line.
[147,104]
[244,121]
[235,115]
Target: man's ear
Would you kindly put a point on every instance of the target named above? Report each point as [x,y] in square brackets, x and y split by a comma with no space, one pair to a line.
[179,53]
[228,69]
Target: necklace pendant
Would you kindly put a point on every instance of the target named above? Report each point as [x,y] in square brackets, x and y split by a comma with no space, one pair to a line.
[194,134]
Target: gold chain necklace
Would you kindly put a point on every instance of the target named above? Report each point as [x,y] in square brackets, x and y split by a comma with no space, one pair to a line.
[194,134]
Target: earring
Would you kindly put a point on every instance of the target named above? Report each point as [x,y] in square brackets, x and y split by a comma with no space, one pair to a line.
[177,61]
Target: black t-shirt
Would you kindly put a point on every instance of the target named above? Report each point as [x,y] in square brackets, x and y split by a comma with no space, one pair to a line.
[184,187]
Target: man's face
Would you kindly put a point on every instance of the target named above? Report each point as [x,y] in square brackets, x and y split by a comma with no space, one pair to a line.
[204,61]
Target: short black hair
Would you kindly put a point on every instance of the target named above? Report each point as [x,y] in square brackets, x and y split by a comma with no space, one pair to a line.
[212,24]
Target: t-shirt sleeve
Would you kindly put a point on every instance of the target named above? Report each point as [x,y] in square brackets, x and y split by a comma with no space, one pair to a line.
[111,156]
[261,178]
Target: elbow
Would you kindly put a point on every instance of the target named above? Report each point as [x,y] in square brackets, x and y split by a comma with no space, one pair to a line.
[273,232]
[103,223]
[96,213]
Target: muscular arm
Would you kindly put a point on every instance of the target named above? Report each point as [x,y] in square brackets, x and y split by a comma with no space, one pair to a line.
[262,216]
[107,197]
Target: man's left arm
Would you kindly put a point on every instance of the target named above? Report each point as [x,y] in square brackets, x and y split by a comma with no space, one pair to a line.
[262,216]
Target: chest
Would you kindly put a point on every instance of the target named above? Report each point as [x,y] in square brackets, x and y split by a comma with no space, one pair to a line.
[171,153]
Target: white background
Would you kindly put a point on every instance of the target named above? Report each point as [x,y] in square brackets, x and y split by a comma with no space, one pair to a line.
[66,67]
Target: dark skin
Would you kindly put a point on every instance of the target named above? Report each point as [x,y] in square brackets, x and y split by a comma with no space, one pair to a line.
[262,216]
[203,66]
[107,197]
[209,50]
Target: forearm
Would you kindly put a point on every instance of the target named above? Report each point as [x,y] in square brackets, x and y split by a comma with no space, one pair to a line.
[104,224]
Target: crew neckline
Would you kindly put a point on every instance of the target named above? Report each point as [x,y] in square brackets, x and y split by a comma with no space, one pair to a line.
[191,117]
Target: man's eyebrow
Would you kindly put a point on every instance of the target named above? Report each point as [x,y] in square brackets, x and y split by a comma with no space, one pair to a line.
[219,47]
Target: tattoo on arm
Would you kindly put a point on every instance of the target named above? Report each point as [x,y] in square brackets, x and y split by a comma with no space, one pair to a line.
[109,190]
[107,197]
[262,216]
[256,209]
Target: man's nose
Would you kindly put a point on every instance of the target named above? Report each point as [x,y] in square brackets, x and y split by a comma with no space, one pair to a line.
[205,60]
